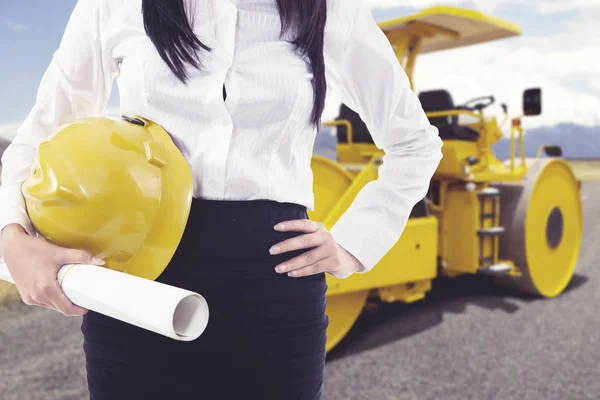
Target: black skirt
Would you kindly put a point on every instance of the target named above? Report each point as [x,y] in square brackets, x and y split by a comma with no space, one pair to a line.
[266,333]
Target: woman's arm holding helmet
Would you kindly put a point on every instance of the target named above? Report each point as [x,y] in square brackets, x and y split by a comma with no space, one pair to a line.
[76,84]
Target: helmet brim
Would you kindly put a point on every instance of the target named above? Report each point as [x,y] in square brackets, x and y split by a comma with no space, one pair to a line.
[172,215]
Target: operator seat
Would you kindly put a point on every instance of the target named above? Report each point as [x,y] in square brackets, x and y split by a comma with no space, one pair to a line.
[360,133]
[441,100]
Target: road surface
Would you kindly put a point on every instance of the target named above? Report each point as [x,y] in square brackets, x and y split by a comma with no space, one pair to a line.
[467,340]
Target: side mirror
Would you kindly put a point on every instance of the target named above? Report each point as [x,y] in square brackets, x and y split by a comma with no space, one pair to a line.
[532,102]
[551,151]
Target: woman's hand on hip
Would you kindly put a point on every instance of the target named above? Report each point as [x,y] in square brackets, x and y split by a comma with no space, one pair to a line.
[325,254]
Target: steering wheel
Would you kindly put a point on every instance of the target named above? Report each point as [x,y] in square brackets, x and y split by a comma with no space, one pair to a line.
[481,103]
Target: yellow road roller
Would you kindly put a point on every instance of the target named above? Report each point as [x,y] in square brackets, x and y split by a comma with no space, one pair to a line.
[517,220]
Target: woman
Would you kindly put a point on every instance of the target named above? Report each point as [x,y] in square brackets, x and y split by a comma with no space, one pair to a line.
[240,85]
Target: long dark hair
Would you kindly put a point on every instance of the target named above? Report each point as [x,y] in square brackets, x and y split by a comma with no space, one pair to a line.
[167,25]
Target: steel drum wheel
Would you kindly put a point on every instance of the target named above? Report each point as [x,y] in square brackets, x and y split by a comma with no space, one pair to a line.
[544,221]
[330,182]
[343,311]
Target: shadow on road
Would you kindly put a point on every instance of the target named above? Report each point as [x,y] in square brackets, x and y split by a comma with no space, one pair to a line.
[382,323]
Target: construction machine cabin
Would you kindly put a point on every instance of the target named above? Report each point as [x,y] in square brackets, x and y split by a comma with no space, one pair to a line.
[516,220]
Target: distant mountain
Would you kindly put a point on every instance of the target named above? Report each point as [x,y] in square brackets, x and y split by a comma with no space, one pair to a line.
[3,145]
[576,141]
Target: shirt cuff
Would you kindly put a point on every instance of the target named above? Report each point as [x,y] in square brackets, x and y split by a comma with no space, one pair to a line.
[13,211]
[16,217]
[361,238]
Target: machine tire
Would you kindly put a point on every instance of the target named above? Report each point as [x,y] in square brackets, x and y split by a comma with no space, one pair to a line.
[543,221]
[330,182]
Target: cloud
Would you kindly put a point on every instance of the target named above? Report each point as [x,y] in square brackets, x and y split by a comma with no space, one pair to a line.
[551,61]
[541,6]
[409,3]
[482,71]
[13,25]
[553,53]
[557,6]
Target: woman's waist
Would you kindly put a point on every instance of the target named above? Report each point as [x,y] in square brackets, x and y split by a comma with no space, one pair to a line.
[288,190]
[237,228]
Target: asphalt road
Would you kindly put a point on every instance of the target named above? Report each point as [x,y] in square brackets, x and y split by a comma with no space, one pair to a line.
[469,339]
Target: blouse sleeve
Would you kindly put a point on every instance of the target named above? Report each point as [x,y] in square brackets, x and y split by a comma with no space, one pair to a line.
[76,84]
[371,81]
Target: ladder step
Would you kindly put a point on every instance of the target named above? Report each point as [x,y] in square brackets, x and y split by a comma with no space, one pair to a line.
[489,192]
[496,230]
[496,269]
[486,260]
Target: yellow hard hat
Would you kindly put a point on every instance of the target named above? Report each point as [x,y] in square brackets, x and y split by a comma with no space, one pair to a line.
[117,188]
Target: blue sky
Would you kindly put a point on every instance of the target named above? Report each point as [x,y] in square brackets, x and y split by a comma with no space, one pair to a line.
[559,51]
[30,32]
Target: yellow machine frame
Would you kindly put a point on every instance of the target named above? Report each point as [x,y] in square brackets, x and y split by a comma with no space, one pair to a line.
[445,242]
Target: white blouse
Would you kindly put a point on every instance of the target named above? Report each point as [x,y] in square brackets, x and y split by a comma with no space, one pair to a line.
[258,143]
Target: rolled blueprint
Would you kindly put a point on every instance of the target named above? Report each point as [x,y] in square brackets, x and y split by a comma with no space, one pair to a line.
[167,310]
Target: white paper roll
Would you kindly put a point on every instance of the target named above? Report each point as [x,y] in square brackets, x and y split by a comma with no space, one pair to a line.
[167,310]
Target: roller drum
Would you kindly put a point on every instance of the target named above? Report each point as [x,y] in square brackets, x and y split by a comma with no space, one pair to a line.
[542,216]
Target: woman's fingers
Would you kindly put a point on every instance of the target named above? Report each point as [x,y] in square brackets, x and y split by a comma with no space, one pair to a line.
[315,235]
[28,300]
[62,303]
[305,241]
[34,264]
[55,293]
[324,254]
[299,225]
[75,256]
[49,291]
[49,294]
[321,257]
[303,260]
[316,268]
